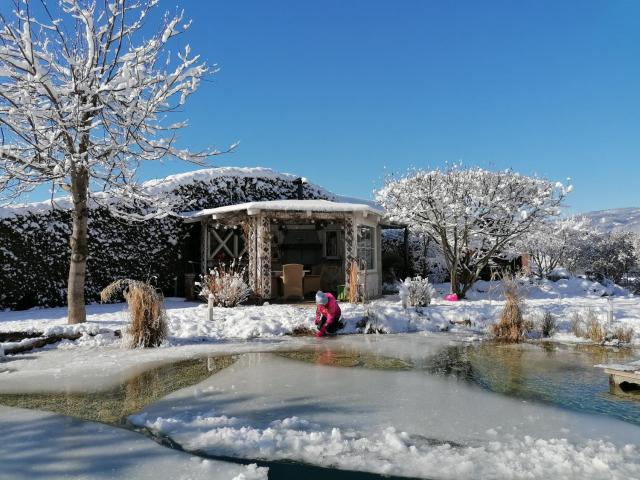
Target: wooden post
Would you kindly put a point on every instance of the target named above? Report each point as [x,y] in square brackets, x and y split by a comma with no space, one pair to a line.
[252,248]
[406,252]
[204,246]
[264,256]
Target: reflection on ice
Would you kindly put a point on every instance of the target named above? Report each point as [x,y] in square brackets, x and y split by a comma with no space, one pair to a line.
[398,422]
[113,405]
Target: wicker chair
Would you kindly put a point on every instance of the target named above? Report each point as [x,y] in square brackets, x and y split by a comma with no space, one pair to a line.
[292,280]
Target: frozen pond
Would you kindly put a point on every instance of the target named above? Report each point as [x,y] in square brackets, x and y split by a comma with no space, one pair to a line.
[427,406]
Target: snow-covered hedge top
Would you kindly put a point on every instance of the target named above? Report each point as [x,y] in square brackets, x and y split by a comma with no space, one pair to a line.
[207,175]
[169,185]
[288,206]
[173,183]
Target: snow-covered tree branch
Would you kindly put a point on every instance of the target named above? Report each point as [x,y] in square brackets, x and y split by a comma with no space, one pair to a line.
[84,99]
[473,214]
[554,244]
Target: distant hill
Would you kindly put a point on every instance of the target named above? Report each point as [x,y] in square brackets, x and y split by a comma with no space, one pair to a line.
[616,219]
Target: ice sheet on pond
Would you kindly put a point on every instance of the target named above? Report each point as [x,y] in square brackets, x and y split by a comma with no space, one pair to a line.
[48,446]
[396,422]
[83,370]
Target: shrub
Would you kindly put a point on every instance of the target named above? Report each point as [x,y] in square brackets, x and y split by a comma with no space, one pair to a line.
[624,335]
[594,331]
[577,325]
[226,284]
[511,327]
[548,324]
[418,291]
[34,239]
[148,327]
[588,326]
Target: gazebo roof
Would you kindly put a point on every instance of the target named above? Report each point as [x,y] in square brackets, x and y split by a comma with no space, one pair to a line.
[303,206]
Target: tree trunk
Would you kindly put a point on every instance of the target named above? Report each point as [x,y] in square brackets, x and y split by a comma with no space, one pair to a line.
[79,248]
[453,277]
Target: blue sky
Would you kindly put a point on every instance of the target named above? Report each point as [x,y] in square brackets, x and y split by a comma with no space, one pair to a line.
[343,91]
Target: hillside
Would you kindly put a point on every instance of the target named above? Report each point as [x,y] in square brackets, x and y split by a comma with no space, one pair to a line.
[616,219]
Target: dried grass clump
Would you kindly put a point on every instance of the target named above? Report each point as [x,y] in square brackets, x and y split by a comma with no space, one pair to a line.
[226,284]
[624,335]
[353,285]
[594,330]
[511,327]
[548,324]
[577,326]
[148,327]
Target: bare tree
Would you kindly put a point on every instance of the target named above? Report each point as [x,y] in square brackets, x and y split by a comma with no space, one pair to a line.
[473,214]
[84,99]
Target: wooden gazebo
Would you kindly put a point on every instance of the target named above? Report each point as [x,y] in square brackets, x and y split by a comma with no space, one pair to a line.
[322,235]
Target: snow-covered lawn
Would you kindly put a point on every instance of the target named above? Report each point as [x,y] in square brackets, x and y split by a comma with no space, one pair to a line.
[189,324]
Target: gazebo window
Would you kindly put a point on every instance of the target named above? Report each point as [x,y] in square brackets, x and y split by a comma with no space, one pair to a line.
[226,243]
[366,246]
[331,244]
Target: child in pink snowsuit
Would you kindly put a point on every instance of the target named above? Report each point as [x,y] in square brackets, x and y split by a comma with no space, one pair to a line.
[327,314]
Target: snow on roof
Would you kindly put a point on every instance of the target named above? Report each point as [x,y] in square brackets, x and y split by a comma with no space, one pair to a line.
[311,206]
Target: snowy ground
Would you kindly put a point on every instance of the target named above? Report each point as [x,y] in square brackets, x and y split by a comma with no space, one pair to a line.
[188,323]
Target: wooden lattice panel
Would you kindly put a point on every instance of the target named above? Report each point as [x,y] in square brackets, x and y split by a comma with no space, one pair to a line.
[252,248]
[348,239]
[264,252]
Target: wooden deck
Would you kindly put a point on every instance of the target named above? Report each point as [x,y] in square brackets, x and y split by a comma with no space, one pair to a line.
[624,380]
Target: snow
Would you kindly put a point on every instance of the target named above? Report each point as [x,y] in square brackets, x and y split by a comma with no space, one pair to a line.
[287,206]
[616,219]
[163,186]
[85,450]
[188,321]
[268,407]
[99,360]
[633,367]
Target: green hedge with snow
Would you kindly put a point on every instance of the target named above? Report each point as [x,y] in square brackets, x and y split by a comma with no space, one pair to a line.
[34,241]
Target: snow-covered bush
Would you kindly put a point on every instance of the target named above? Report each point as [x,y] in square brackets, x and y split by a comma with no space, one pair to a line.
[610,255]
[417,291]
[548,324]
[474,215]
[226,286]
